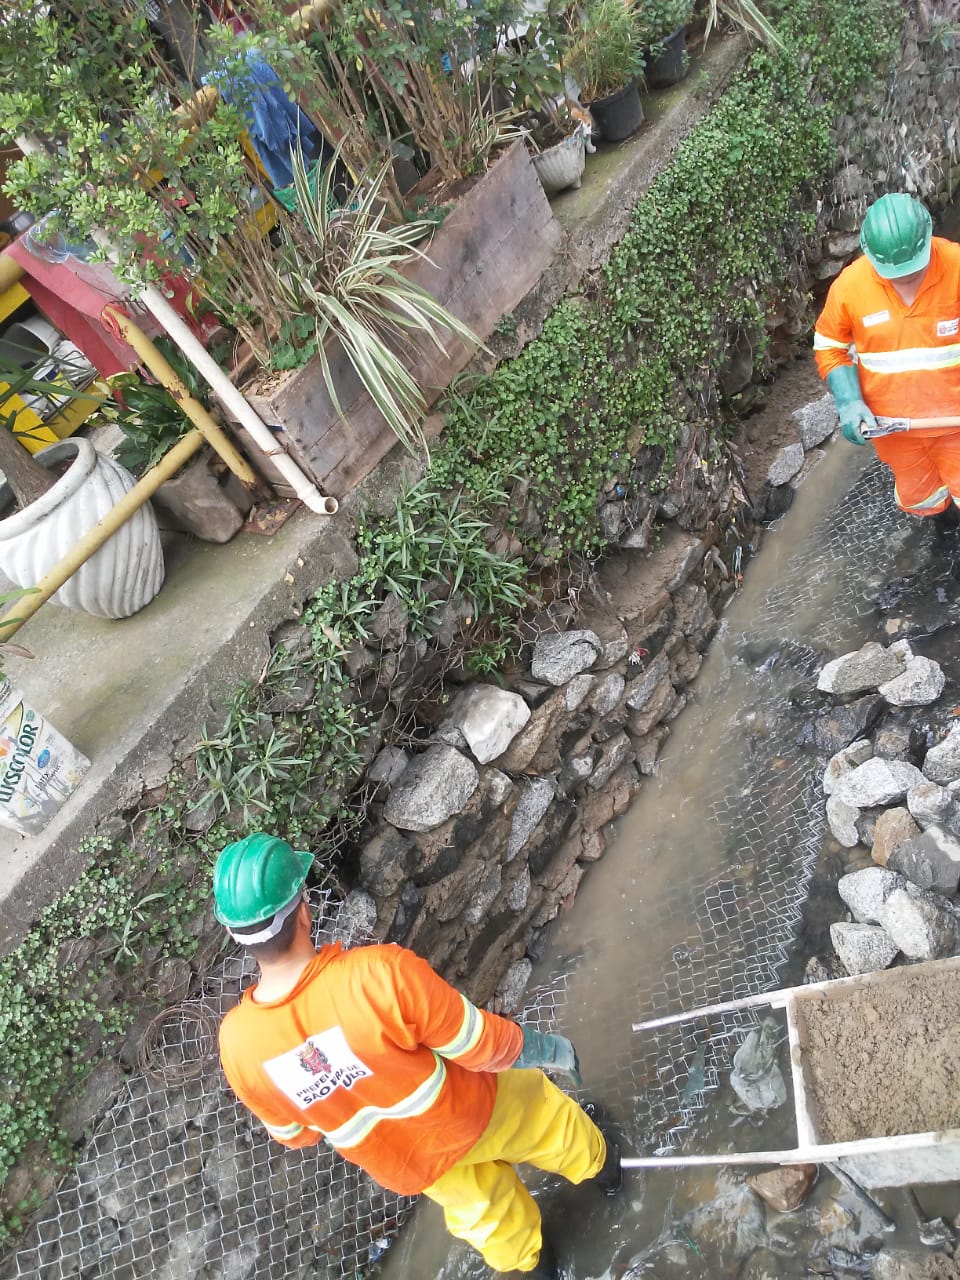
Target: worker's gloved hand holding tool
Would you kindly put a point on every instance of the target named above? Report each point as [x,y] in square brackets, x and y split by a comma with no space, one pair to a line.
[844,385]
[550,1053]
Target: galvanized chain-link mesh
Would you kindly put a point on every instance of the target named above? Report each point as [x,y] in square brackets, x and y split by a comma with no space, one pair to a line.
[179,1181]
[732,933]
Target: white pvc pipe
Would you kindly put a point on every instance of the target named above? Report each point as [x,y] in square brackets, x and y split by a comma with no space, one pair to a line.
[237,404]
[223,388]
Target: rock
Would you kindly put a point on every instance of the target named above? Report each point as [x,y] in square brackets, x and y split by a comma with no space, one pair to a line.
[577,690]
[844,761]
[512,985]
[612,516]
[930,804]
[388,765]
[842,820]
[862,948]
[519,895]
[483,898]
[784,1189]
[386,861]
[617,751]
[558,658]
[356,918]
[860,671]
[823,969]
[816,421]
[432,788]
[536,798]
[389,623]
[195,501]
[865,892]
[877,782]
[614,648]
[489,718]
[930,860]
[920,684]
[81,1109]
[921,927]
[942,762]
[606,693]
[893,827]
[892,742]
[847,722]
[785,465]
[688,563]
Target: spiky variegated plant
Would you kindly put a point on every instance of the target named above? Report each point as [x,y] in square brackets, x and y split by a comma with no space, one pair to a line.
[339,269]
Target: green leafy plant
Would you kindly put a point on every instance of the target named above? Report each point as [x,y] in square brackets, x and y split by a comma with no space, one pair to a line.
[661,18]
[148,415]
[338,277]
[608,52]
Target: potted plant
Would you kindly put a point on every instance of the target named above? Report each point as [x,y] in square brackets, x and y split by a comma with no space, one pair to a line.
[606,59]
[664,24]
[52,498]
[560,136]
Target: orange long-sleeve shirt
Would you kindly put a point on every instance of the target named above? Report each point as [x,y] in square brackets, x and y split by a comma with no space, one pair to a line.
[908,356]
[375,1052]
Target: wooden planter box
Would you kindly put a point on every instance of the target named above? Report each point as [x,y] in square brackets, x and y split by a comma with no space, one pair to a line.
[488,254]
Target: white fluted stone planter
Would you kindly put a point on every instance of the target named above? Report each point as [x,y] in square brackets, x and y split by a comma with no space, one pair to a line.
[124,575]
[562,165]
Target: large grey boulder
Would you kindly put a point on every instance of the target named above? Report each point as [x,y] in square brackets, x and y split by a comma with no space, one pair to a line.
[558,658]
[877,782]
[536,797]
[785,465]
[816,420]
[942,762]
[842,819]
[844,762]
[847,722]
[931,805]
[922,927]
[861,671]
[489,718]
[432,788]
[930,860]
[920,684]
[607,693]
[863,948]
[865,892]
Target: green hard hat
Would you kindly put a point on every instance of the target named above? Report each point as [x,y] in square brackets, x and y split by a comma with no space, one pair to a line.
[896,235]
[255,877]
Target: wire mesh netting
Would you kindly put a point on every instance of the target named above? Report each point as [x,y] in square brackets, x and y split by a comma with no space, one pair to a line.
[179,1182]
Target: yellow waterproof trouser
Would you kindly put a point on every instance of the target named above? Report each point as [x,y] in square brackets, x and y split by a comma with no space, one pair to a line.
[483,1200]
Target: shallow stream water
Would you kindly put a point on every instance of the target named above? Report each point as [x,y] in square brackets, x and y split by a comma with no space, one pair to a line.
[704,895]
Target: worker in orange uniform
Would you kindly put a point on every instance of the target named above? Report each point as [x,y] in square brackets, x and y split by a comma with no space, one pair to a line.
[888,344]
[372,1051]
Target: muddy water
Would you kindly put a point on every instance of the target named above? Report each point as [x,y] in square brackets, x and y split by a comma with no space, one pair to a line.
[702,896]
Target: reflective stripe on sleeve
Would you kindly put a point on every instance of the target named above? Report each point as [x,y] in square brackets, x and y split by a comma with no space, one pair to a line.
[822,343]
[367,1118]
[468,1037]
[284,1132]
[911,360]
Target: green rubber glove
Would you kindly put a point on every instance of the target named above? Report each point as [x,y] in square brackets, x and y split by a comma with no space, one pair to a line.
[550,1053]
[844,385]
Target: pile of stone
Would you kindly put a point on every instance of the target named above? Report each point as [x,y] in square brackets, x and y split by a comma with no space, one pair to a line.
[890,791]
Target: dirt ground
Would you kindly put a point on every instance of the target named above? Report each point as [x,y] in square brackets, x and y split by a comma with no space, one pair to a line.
[887,1059]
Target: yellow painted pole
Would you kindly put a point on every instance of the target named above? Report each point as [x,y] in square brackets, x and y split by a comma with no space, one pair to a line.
[165,374]
[11,272]
[105,528]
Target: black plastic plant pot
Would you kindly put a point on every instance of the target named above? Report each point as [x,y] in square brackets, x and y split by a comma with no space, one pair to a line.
[672,64]
[620,114]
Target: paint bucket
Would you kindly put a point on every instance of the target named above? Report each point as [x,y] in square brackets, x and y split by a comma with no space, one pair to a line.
[39,768]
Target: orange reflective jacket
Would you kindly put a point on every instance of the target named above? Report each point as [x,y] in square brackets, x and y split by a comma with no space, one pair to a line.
[908,357]
[375,1052]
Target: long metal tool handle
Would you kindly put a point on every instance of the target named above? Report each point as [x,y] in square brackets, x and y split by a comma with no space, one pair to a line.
[774,999]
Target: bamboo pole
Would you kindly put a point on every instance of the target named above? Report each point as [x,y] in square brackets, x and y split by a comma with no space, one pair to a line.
[91,542]
[165,373]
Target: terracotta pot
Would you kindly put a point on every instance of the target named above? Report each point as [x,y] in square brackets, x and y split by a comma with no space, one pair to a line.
[124,575]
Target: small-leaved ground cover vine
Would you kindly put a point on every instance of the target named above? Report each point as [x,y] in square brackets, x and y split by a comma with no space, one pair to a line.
[606,379]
